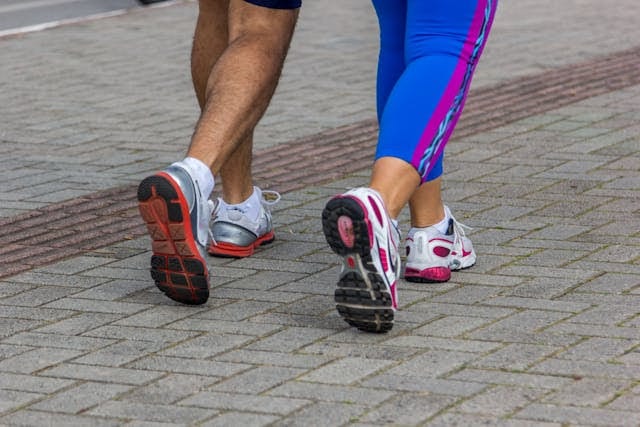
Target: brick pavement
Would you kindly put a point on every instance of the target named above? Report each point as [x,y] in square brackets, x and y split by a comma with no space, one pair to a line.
[544,330]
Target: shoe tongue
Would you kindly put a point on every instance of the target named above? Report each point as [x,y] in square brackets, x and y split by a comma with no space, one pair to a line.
[450,227]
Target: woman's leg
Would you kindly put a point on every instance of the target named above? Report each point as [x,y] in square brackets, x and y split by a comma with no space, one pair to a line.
[442,46]
[392,17]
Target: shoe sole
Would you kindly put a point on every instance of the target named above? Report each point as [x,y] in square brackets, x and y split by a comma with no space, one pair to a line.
[434,275]
[229,250]
[362,298]
[177,267]
[428,275]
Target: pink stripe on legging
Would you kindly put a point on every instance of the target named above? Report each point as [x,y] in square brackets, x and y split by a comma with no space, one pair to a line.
[455,87]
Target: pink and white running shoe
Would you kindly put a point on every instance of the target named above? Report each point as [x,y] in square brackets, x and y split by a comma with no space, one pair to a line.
[432,255]
[357,227]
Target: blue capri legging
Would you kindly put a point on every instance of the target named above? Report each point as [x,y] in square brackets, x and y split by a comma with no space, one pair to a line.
[428,53]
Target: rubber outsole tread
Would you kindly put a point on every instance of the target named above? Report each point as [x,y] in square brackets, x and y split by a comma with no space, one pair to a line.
[361,297]
[176,268]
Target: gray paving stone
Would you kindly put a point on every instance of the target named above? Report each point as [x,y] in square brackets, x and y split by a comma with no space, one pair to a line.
[225,326]
[500,401]
[463,345]
[12,399]
[211,368]
[346,371]
[323,414]
[101,373]
[258,380]
[243,402]
[544,381]
[206,346]
[592,392]
[37,359]
[451,326]
[291,339]
[120,353]
[598,349]
[77,324]
[586,368]
[515,357]
[145,412]
[170,389]
[380,352]
[331,393]
[80,398]
[432,363]
[588,416]
[58,341]
[113,307]
[36,418]
[408,409]
[141,334]
[232,419]
[274,358]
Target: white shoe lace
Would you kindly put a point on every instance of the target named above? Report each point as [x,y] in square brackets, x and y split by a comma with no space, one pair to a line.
[212,209]
[269,198]
[458,233]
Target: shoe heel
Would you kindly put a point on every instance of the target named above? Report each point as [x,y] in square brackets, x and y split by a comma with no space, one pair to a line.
[345,227]
[361,297]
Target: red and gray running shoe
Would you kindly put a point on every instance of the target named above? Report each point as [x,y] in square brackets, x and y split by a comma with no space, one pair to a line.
[432,255]
[177,218]
[357,228]
[234,234]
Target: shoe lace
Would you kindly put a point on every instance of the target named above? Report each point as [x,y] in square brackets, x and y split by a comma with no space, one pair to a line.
[270,198]
[459,231]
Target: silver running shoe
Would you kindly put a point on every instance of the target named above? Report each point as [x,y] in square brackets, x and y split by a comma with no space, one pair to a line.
[357,228]
[235,235]
[177,218]
[431,255]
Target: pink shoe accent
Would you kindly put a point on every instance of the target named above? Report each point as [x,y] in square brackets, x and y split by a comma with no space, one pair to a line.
[434,274]
[376,210]
[351,262]
[345,228]
[394,296]
[441,251]
[384,259]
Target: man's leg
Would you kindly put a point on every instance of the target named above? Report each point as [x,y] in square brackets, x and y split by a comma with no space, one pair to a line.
[241,84]
[210,40]
[237,90]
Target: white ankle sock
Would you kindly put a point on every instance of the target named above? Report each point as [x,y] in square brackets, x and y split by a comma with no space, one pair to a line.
[202,175]
[250,207]
[442,226]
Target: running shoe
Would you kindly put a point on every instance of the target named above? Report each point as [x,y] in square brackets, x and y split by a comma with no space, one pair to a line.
[358,229]
[432,255]
[234,234]
[177,218]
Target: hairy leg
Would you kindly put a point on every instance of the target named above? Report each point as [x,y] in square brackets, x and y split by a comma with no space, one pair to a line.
[238,90]
[210,40]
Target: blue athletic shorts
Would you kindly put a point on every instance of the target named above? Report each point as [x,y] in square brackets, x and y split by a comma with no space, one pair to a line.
[277,4]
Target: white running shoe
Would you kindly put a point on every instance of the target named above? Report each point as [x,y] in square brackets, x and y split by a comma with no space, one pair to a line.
[234,234]
[357,228]
[432,255]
